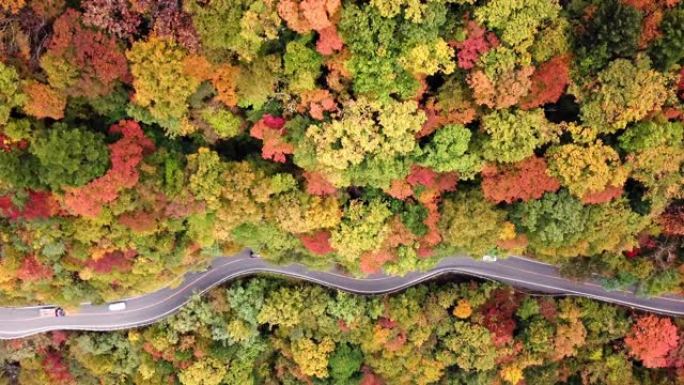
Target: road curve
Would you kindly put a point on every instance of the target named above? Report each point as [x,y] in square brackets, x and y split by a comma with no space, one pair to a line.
[147,309]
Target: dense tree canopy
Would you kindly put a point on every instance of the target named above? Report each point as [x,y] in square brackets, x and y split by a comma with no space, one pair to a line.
[267,331]
[139,139]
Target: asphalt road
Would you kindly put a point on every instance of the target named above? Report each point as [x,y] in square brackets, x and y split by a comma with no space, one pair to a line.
[147,309]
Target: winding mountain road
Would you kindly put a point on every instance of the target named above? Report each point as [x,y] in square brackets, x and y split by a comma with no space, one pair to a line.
[147,309]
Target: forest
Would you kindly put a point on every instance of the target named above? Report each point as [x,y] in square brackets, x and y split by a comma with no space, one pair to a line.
[271,332]
[141,138]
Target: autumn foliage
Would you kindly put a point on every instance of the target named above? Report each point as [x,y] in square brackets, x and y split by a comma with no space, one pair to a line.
[44,101]
[478,42]
[651,340]
[139,139]
[672,220]
[126,154]
[56,368]
[115,16]
[467,330]
[318,243]
[318,15]
[33,270]
[117,260]
[607,195]
[316,184]
[38,205]
[97,59]
[524,180]
[548,82]
[224,80]
[271,129]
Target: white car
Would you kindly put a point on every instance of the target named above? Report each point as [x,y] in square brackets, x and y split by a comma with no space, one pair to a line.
[117,306]
[489,258]
[51,312]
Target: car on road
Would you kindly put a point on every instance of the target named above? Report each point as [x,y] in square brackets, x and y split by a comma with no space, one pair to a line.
[51,312]
[489,258]
[117,306]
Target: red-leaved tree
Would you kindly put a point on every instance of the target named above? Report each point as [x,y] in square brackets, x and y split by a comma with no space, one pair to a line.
[523,180]
[607,195]
[125,155]
[548,83]
[139,221]
[173,22]
[116,260]
[477,43]
[40,204]
[271,129]
[371,262]
[369,378]
[6,144]
[498,315]
[97,56]
[427,187]
[317,102]
[32,269]
[56,369]
[651,340]
[316,184]
[317,243]
[318,15]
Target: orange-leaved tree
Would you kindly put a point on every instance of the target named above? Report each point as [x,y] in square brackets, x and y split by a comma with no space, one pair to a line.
[125,154]
[651,339]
